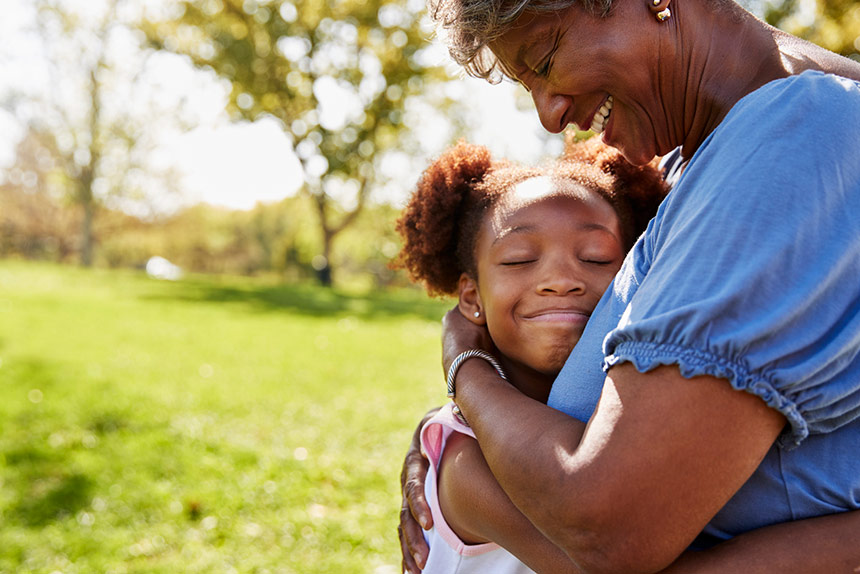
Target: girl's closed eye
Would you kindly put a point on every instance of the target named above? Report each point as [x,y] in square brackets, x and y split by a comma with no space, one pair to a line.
[519,260]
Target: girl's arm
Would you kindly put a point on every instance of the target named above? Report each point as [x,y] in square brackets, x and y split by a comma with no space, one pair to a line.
[478,510]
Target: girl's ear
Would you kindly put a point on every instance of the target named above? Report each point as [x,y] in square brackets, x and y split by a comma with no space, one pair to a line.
[470,301]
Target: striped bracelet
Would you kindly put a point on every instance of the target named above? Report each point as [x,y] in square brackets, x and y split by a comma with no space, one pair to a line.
[462,358]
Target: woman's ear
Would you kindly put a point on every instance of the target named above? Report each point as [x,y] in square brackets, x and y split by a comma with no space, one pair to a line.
[470,300]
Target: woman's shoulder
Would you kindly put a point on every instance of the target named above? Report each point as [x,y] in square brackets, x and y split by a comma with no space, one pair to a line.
[811,99]
[795,127]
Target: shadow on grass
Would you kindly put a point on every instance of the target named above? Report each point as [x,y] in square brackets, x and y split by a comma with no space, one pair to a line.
[40,476]
[311,300]
[52,495]
[43,485]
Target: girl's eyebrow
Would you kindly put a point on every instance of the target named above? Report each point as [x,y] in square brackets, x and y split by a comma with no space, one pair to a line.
[508,231]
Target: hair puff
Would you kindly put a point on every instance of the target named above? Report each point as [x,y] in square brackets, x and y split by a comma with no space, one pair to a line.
[432,223]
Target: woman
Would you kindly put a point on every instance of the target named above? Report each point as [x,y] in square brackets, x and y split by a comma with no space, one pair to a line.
[745,281]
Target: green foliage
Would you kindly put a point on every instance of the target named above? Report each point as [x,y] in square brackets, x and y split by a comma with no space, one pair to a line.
[834,24]
[278,238]
[82,139]
[205,426]
[338,76]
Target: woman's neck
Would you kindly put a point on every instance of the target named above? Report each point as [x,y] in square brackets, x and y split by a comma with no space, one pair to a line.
[724,53]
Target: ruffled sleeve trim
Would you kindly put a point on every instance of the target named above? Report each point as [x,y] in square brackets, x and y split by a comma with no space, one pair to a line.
[646,356]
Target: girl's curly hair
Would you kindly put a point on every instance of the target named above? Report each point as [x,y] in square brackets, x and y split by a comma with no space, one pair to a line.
[440,223]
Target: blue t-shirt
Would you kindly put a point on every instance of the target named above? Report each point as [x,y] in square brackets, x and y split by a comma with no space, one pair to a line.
[750,271]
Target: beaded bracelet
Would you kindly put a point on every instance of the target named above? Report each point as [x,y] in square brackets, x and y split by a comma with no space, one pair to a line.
[462,358]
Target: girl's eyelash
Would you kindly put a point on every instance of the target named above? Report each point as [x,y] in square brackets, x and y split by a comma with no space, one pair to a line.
[509,263]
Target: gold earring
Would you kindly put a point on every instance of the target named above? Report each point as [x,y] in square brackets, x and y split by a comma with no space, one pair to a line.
[663,15]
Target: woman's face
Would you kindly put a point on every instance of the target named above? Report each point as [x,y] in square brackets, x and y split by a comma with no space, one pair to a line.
[545,255]
[595,72]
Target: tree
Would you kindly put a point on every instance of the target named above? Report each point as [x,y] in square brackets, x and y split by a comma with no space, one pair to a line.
[833,24]
[337,75]
[86,109]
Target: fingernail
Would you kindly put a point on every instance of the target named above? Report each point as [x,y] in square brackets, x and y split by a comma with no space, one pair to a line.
[417,559]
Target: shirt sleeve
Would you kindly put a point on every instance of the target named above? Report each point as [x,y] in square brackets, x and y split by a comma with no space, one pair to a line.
[751,271]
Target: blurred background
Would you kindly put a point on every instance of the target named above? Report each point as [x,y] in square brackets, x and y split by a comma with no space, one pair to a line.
[206,362]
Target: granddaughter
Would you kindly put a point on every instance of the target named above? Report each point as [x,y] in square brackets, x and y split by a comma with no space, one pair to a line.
[529,252]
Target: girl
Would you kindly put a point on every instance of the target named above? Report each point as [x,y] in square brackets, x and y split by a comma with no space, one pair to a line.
[529,252]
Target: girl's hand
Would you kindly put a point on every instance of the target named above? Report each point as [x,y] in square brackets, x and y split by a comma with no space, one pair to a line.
[414,512]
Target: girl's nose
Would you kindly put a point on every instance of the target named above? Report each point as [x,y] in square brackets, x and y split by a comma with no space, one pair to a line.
[560,279]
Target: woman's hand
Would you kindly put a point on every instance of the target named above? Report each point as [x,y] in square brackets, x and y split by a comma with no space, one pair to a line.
[459,334]
[414,512]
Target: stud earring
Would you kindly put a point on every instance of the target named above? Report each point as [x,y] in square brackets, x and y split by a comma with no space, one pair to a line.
[477,314]
[660,9]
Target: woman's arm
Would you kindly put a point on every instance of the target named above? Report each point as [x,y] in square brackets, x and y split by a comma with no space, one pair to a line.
[661,455]
[815,545]
[478,510]
[822,545]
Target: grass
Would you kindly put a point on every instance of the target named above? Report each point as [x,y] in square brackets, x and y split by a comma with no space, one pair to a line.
[207,425]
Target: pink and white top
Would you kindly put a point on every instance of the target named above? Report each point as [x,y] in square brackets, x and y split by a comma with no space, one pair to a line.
[449,554]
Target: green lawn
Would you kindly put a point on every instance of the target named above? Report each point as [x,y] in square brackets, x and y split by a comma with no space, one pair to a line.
[207,425]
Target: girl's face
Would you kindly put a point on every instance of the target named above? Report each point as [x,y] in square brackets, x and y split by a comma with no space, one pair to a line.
[545,254]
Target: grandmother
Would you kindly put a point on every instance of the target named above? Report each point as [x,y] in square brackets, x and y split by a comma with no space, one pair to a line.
[720,374]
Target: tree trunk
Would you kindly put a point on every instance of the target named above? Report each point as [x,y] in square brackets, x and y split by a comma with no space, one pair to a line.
[87,234]
[88,175]
[323,270]
[329,230]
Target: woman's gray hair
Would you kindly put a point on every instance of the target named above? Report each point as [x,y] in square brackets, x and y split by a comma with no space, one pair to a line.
[468,26]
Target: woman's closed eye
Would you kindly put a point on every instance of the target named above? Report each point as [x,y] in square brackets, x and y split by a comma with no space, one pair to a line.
[544,67]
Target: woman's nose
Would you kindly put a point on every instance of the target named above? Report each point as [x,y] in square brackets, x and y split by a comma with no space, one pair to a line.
[551,109]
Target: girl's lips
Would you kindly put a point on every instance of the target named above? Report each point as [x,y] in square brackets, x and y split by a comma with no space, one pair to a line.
[559,316]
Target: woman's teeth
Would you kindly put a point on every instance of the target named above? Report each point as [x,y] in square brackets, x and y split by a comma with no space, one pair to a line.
[601,117]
